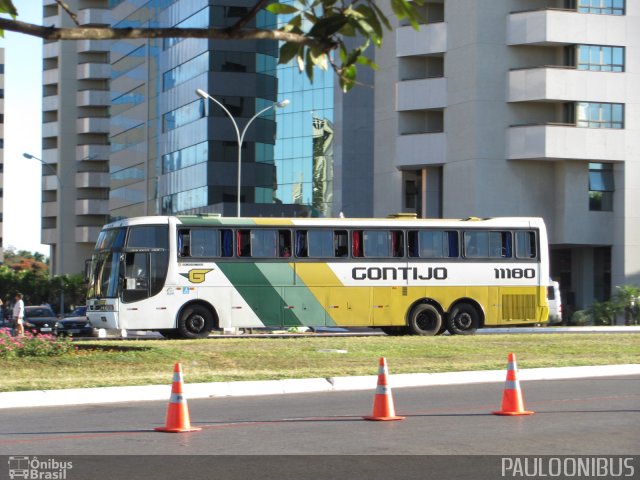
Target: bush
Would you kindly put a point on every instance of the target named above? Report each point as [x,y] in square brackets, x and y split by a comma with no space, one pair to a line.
[581,318]
[31,345]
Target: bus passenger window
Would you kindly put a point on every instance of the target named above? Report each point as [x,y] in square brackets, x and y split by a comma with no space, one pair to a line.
[500,244]
[526,244]
[284,243]
[355,243]
[184,242]
[476,244]
[301,243]
[341,243]
[244,243]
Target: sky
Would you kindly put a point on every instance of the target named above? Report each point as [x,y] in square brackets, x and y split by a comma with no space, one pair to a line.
[23,133]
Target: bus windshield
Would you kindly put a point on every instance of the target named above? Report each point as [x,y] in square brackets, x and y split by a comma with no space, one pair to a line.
[115,259]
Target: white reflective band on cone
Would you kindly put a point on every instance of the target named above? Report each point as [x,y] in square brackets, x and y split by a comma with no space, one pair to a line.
[383,390]
[176,398]
[512,385]
[177,377]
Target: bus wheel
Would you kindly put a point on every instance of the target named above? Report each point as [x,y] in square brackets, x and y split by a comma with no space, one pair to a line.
[195,322]
[463,320]
[425,319]
[170,334]
[395,331]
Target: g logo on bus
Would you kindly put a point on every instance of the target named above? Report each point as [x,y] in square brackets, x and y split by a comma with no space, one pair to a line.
[197,275]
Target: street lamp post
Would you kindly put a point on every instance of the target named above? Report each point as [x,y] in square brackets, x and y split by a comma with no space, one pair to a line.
[240,135]
[60,248]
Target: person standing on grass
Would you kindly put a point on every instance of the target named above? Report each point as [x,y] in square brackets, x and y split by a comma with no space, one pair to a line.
[18,314]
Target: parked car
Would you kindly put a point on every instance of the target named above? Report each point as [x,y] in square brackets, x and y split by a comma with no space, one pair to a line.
[39,319]
[555,302]
[75,324]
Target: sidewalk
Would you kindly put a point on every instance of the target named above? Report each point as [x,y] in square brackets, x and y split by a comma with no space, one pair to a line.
[87,396]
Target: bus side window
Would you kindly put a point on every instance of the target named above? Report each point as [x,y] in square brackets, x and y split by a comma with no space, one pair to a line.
[526,244]
[184,241]
[227,243]
[397,243]
[356,246]
[243,243]
[301,243]
[341,243]
[284,243]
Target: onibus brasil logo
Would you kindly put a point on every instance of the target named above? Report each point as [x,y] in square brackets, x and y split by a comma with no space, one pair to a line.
[33,468]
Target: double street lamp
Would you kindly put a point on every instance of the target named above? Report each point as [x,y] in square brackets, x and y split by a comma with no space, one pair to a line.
[60,248]
[240,135]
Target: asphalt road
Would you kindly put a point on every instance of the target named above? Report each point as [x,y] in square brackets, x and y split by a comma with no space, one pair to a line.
[310,433]
[573,417]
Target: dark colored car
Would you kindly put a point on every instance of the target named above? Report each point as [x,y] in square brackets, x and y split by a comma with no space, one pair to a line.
[39,319]
[75,324]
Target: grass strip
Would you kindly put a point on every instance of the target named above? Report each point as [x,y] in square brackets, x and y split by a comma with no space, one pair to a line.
[131,362]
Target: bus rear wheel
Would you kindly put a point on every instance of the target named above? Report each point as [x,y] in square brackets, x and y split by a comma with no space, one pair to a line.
[463,320]
[195,322]
[395,331]
[425,320]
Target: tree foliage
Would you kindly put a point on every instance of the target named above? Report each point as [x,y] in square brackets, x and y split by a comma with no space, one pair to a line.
[313,31]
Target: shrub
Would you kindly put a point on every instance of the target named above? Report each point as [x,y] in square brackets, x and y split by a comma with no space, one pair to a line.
[31,345]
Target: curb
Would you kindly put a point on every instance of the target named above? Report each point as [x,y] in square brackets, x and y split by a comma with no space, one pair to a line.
[104,395]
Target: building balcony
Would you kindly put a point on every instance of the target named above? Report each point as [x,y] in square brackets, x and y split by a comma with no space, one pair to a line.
[421,150]
[87,234]
[92,180]
[429,40]
[51,20]
[49,180]
[88,46]
[94,16]
[92,125]
[565,27]
[51,77]
[92,207]
[559,84]
[566,142]
[92,152]
[50,209]
[51,50]
[49,236]
[93,71]
[50,129]
[92,98]
[50,103]
[422,94]
[50,155]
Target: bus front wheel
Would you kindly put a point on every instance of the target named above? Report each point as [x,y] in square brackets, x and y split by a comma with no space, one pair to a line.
[463,320]
[425,319]
[195,322]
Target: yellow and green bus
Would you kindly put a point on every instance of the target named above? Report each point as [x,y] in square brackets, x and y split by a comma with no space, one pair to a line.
[185,276]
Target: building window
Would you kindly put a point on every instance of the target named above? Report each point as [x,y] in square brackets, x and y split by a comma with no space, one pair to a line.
[185,157]
[600,58]
[601,7]
[601,187]
[595,115]
[188,70]
[181,116]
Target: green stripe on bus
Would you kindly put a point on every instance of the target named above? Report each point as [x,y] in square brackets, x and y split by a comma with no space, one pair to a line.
[256,289]
[300,304]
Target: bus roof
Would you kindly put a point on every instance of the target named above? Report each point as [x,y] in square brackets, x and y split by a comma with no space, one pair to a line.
[402,222]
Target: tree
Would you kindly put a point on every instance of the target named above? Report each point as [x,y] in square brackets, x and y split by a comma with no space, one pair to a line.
[315,29]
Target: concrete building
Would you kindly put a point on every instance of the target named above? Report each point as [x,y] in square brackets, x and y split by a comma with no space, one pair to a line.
[520,107]
[75,151]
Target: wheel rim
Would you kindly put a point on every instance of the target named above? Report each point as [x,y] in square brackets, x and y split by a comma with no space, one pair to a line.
[196,323]
[426,321]
[463,321]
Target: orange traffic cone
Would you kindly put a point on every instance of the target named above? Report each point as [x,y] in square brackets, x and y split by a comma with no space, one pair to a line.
[512,403]
[383,401]
[178,411]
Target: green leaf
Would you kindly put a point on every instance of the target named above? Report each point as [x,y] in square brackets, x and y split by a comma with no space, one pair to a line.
[309,66]
[326,27]
[6,6]
[319,59]
[277,8]
[381,16]
[362,60]
[347,78]
[287,52]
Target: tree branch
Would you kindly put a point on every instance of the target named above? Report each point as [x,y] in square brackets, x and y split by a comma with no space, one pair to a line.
[247,18]
[106,33]
[66,8]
